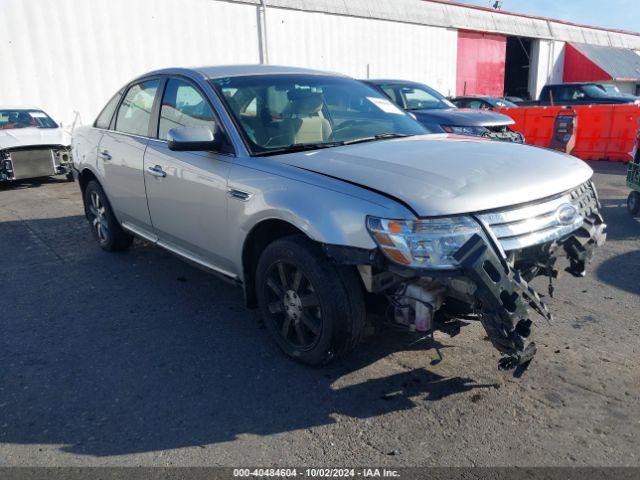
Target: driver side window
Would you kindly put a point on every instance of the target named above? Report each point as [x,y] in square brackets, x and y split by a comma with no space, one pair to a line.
[182,106]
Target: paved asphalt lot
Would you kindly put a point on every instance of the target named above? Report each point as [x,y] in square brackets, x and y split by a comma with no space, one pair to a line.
[140,359]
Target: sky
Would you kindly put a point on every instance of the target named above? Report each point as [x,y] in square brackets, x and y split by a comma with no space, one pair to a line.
[620,14]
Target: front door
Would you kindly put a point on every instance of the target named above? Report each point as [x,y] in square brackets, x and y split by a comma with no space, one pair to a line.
[187,191]
[121,156]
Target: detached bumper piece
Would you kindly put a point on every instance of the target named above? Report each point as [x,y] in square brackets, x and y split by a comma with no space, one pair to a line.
[579,247]
[503,301]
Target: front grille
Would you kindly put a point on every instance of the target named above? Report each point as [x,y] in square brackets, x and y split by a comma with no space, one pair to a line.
[542,222]
[503,133]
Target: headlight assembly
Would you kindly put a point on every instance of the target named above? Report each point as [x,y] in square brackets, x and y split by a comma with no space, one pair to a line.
[473,131]
[427,243]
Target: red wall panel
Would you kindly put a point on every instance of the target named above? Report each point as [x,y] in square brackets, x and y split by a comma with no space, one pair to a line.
[578,68]
[481,60]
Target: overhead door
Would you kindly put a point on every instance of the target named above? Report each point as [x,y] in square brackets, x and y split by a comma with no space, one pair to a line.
[481,62]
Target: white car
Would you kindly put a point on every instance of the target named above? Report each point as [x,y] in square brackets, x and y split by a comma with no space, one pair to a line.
[32,145]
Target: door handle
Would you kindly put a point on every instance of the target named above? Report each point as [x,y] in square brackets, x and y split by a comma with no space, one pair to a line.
[156,171]
[105,155]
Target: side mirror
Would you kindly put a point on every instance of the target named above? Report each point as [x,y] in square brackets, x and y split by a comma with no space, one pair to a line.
[192,139]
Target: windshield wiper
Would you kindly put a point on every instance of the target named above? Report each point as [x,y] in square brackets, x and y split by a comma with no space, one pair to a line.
[299,147]
[373,138]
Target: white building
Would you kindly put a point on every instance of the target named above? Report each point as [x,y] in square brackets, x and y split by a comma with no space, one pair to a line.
[70,55]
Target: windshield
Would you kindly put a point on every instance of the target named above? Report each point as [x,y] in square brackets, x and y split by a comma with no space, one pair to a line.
[504,103]
[595,91]
[612,89]
[10,119]
[412,96]
[280,113]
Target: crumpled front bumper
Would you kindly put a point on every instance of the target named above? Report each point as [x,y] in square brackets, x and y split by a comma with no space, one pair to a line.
[504,299]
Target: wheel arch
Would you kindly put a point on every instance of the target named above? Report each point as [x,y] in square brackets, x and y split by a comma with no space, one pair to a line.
[84,177]
[262,234]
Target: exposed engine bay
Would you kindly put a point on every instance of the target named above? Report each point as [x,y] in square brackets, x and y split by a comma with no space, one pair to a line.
[35,161]
[491,285]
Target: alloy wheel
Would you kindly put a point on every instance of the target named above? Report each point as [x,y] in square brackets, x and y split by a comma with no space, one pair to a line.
[294,306]
[98,217]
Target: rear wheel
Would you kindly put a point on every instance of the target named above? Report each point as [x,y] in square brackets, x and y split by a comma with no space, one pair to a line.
[633,202]
[313,309]
[104,226]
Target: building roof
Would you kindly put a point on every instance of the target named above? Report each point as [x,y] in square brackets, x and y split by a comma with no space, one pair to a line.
[449,14]
[537,17]
[621,64]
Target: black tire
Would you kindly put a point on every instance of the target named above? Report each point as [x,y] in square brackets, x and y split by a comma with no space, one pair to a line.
[104,226]
[327,298]
[633,202]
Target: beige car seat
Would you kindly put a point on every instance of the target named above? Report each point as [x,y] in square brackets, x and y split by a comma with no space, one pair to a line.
[304,122]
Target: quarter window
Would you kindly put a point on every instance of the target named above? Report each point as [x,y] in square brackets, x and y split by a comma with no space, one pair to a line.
[183,105]
[134,113]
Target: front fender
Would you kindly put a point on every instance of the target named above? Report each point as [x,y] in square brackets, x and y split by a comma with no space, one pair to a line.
[325,209]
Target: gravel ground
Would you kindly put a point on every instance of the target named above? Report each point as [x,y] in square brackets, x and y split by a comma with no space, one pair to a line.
[140,359]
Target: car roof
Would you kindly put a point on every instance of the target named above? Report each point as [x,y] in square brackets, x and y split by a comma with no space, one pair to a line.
[391,81]
[574,83]
[19,107]
[223,71]
[477,97]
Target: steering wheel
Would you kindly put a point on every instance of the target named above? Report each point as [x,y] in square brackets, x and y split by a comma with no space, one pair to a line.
[348,126]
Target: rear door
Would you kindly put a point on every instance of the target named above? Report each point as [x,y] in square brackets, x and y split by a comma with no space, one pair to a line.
[121,157]
[187,191]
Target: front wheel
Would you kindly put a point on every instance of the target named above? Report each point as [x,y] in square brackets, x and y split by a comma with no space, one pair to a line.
[633,202]
[104,226]
[313,309]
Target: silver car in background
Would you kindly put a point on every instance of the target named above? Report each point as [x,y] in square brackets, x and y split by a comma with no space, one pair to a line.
[325,202]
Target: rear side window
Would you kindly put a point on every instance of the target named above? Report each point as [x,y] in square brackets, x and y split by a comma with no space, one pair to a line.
[104,119]
[134,113]
[183,105]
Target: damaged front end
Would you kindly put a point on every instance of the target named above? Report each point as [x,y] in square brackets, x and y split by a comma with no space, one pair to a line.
[482,270]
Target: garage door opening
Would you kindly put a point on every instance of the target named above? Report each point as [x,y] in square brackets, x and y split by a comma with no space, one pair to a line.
[517,67]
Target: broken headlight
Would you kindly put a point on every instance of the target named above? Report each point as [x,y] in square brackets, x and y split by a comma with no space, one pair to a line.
[426,243]
[472,131]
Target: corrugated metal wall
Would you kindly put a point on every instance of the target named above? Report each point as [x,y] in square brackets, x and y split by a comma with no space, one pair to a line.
[357,46]
[71,55]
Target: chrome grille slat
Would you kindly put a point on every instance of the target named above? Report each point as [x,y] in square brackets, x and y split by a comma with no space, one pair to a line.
[522,227]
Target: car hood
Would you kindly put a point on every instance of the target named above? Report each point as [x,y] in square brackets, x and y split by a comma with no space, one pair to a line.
[448,175]
[25,137]
[464,117]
